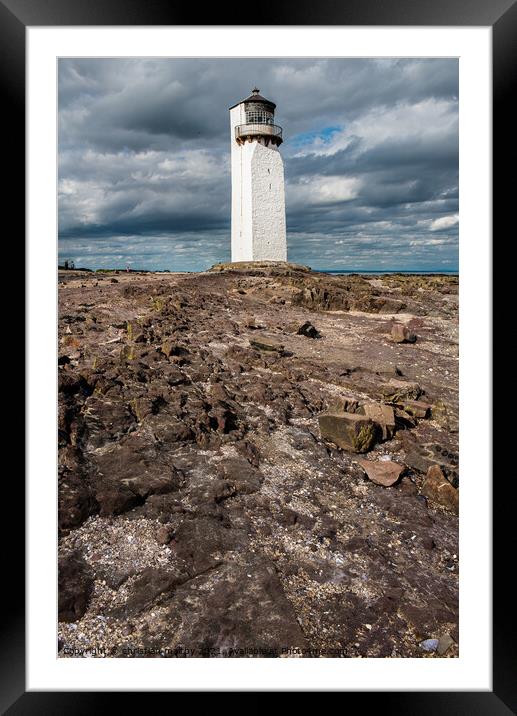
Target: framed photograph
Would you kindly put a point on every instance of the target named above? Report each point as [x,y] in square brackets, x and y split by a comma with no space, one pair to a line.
[259,334]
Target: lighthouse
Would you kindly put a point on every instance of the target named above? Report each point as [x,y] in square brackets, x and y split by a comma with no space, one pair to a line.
[258,196]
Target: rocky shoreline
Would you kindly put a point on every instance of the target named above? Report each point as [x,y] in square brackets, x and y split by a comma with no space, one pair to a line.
[258,460]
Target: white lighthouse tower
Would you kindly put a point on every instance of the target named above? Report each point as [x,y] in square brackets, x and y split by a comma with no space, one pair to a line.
[258,197]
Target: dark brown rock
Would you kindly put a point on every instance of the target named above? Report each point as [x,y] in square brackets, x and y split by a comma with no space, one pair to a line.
[151,585]
[201,542]
[244,613]
[76,500]
[241,474]
[307,329]
[75,586]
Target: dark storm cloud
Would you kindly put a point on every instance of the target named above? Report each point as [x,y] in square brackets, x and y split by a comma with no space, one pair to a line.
[370,152]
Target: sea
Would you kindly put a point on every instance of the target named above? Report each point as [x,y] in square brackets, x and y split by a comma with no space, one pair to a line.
[374,272]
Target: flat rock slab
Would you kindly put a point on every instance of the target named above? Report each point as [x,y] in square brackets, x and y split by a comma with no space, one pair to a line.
[383,472]
[266,344]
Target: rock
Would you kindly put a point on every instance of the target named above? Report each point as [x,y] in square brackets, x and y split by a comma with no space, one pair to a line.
[75,586]
[219,392]
[444,644]
[127,353]
[175,376]
[349,431]
[426,618]
[327,527]
[165,534]
[171,348]
[384,304]
[444,416]
[307,329]
[404,419]
[151,584]
[396,391]
[142,407]
[401,334]
[429,644]
[131,471]
[383,416]
[76,501]
[345,405]
[241,474]
[208,466]
[114,498]
[383,472]
[439,490]
[407,487]
[250,451]
[266,344]
[251,323]
[200,542]
[241,610]
[416,408]
[417,460]
[170,430]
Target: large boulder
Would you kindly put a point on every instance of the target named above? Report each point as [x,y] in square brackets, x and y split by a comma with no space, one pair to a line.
[350,431]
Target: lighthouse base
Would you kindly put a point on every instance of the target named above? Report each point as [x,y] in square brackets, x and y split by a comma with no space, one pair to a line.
[258,204]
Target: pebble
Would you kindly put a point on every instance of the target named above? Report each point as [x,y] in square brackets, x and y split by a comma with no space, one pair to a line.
[429,644]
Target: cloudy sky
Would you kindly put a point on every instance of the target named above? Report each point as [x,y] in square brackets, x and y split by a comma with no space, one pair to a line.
[370,152]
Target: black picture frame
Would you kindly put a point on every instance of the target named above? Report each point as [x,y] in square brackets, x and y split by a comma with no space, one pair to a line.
[501,15]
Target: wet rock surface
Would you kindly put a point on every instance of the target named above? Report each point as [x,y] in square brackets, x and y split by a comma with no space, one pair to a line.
[203,510]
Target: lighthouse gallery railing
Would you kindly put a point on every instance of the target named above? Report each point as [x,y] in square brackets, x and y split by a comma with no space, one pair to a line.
[249,130]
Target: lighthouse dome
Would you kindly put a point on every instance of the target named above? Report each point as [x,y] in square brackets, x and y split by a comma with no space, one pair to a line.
[255,96]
